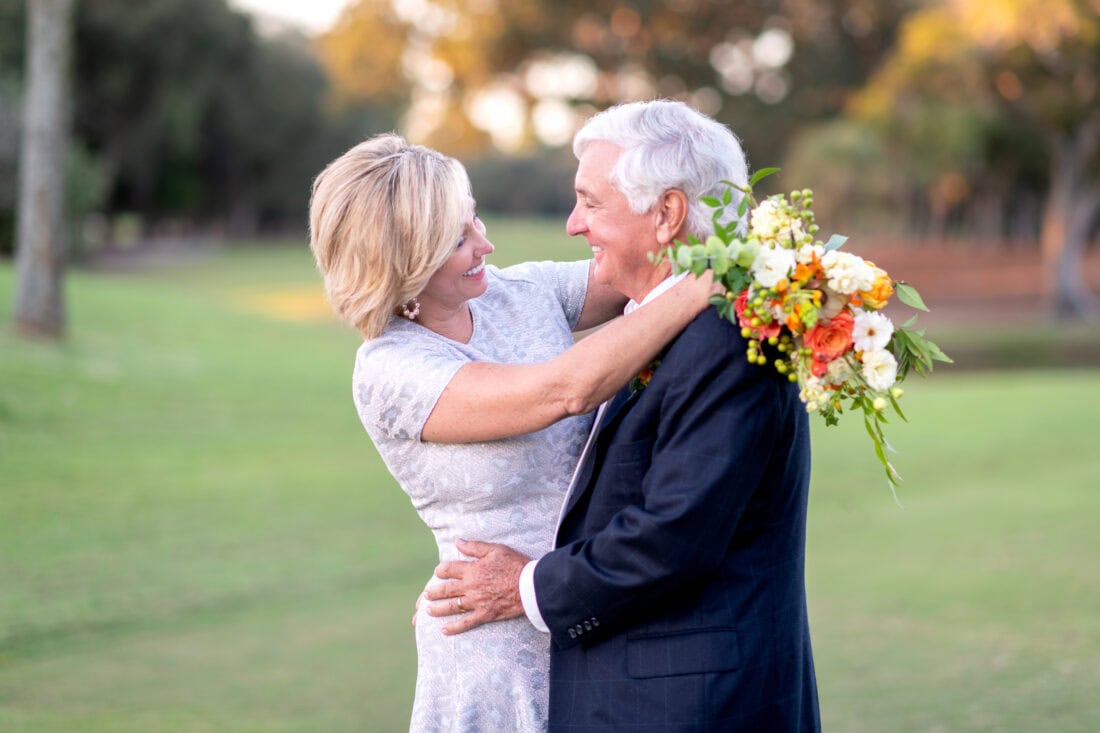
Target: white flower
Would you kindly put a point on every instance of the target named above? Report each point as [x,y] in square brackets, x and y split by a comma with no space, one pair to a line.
[872,331]
[812,392]
[807,252]
[769,221]
[771,265]
[847,273]
[839,371]
[880,370]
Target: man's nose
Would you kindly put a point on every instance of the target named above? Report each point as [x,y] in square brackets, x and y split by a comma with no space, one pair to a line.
[574,225]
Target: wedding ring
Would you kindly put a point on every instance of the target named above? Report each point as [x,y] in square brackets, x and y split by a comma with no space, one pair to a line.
[458,602]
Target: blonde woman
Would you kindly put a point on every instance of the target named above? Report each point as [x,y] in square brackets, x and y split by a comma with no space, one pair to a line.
[470,386]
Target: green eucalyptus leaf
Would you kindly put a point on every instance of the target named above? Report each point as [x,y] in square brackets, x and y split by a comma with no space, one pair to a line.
[683,257]
[711,201]
[715,246]
[748,253]
[835,242]
[727,196]
[720,263]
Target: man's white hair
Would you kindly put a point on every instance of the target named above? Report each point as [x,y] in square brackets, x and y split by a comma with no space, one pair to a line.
[666,145]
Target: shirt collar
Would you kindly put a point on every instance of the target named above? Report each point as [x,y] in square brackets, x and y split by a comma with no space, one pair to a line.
[662,286]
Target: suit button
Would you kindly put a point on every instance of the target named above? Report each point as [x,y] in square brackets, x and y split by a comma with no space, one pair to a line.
[595,621]
[572,633]
[587,625]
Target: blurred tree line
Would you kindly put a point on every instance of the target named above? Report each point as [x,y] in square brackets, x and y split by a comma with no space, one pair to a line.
[185,117]
[977,120]
[970,119]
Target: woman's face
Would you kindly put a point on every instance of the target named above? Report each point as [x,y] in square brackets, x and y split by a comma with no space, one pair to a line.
[462,276]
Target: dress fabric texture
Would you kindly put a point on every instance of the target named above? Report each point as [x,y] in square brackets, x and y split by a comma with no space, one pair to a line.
[493,678]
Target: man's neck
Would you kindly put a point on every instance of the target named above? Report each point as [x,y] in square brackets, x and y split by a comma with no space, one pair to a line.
[661,287]
[649,280]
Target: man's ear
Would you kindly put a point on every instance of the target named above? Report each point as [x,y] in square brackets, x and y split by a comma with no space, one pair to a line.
[670,214]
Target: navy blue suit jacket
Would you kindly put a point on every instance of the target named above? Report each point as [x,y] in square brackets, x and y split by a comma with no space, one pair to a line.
[676,598]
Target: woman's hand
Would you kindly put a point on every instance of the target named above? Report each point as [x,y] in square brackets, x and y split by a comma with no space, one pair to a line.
[702,288]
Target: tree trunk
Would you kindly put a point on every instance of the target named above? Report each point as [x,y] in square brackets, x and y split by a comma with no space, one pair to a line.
[40,237]
[1068,221]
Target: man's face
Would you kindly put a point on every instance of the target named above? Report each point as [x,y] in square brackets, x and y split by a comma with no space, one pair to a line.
[619,238]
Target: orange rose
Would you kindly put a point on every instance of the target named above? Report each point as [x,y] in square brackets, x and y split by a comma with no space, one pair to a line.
[829,339]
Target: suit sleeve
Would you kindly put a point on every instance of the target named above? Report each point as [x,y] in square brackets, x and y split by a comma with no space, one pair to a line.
[716,433]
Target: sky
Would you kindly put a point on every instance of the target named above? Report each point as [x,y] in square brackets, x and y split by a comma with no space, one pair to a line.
[312,15]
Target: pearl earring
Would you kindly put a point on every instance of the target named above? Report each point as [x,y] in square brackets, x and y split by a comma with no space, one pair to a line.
[411,309]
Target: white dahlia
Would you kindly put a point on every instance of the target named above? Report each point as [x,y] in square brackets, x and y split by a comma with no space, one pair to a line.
[872,331]
[880,370]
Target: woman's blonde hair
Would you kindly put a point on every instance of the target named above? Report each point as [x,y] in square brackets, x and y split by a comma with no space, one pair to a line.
[383,217]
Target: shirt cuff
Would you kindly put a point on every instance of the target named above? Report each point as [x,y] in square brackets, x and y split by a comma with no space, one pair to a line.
[527,596]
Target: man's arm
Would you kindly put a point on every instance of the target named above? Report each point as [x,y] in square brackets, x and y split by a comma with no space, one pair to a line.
[719,421]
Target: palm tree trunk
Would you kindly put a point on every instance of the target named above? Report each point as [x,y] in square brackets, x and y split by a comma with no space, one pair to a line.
[40,238]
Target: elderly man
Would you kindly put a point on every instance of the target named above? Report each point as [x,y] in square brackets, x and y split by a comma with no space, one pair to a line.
[675,598]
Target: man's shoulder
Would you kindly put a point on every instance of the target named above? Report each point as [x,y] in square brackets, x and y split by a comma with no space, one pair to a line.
[710,332]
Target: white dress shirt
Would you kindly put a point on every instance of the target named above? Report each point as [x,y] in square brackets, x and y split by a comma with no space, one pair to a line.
[527,576]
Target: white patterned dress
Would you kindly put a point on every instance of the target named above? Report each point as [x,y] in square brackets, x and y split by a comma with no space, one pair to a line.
[493,678]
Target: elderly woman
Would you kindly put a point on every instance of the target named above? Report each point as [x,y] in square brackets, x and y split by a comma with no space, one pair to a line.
[472,389]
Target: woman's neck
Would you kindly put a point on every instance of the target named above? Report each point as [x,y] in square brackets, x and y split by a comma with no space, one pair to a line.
[456,324]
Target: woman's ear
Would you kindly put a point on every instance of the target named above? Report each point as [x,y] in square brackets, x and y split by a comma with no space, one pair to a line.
[670,215]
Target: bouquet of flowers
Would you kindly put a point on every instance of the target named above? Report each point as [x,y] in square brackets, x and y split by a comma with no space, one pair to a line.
[810,310]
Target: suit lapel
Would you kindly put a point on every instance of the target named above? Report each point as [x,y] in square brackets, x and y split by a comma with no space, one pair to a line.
[623,399]
[618,402]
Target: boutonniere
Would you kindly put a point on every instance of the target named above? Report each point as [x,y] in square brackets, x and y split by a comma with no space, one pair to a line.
[641,381]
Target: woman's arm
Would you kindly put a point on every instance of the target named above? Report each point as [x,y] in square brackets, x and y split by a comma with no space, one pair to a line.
[489,401]
[601,303]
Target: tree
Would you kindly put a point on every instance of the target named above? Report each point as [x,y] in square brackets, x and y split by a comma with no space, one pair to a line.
[40,239]
[1033,65]
[765,68]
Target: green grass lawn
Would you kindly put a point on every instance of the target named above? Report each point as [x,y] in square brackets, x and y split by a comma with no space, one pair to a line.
[196,534]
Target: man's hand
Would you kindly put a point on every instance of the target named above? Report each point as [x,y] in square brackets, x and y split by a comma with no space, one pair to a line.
[485,589]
